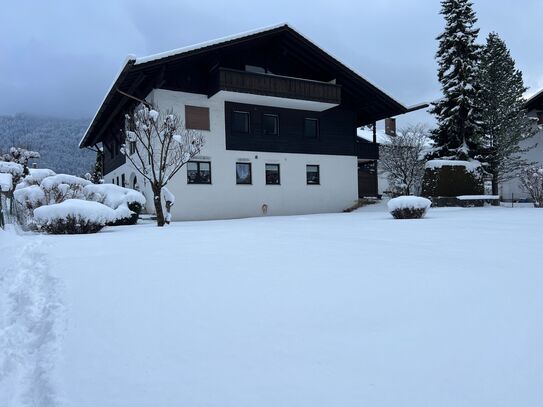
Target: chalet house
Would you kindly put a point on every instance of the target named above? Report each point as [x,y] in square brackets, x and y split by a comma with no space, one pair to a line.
[511,190]
[279,116]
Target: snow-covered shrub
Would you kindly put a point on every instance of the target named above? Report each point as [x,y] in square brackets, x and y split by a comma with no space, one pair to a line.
[408,207]
[74,216]
[117,197]
[531,179]
[26,200]
[15,170]
[35,177]
[444,180]
[61,187]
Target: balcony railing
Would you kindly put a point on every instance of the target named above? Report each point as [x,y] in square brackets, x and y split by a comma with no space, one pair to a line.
[367,150]
[272,85]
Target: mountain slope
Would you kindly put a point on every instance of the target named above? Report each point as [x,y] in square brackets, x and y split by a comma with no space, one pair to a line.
[55,139]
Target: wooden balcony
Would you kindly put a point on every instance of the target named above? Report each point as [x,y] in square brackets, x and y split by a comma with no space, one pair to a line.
[231,80]
[367,151]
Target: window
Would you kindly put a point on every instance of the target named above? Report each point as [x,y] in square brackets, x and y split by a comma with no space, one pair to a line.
[117,180]
[313,175]
[113,180]
[240,122]
[131,147]
[311,128]
[198,172]
[539,118]
[123,180]
[270,124]
[243,173]
[196,117]
[272,174]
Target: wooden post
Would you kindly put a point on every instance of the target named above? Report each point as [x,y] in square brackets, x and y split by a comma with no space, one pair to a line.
[374,132]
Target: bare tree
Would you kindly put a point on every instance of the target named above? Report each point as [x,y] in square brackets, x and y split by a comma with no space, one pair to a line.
[402,159]
[531,179]
[157,145]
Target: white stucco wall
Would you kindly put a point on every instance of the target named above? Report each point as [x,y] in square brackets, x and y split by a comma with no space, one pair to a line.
[225,199]
[534,155]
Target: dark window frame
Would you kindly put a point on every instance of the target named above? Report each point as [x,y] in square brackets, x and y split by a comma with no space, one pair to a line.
[278,173]
[123,180]
[198,172]
[246,114]
[250,173]
[318,174]
[276,117]
[317,128]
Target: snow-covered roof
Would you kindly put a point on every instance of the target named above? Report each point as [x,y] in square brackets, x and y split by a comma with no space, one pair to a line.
[366,133]
[182,50]
[131,61]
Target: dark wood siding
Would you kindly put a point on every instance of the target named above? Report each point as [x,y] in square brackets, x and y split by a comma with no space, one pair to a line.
[272,85]
[337,131]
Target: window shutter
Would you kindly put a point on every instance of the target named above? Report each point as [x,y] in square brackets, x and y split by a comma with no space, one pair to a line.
[197,118]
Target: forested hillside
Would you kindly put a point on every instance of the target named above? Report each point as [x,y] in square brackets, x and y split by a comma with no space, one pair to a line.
[55,139]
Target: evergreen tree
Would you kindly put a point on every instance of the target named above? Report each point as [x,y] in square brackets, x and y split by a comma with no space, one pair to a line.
[457,135]
[504,121]
[97,172]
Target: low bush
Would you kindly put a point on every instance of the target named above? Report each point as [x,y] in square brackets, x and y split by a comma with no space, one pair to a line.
[119,198]
[74,216]
[408,207]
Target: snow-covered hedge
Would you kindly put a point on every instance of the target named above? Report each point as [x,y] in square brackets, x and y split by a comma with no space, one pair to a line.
[444,180]
[117,197]
[408,207]
[7,167]
[61,187]
[35,177]
[75,216]
[6,182]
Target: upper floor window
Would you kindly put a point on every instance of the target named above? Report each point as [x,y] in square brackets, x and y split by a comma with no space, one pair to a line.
[313,175]
[197,118]
[199,172]
[243,173]
[311,127]
[270,124]
[272,174]
[240,121]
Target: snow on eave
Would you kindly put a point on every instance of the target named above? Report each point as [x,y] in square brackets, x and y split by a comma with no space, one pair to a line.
[205,44]
[129,58]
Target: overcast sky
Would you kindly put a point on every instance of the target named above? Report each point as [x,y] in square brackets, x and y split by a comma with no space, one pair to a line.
[59,57]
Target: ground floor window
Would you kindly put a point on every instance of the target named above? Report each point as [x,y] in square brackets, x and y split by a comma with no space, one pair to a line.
[199,172]
[272,174]
[243,173]
[313,175]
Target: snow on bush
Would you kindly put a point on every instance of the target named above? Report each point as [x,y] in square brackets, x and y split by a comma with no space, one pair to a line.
[6,182]
[25,201]
[116,197]
[75,216]
[112,195]
[35,177]
[16,170]
[470,166]
[61,187]
[531,179]
[408,207]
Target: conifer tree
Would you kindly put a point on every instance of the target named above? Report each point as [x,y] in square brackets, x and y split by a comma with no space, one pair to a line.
[504,122]
[457,135]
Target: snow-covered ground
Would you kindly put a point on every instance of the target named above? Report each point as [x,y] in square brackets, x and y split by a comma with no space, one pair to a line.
[325,310]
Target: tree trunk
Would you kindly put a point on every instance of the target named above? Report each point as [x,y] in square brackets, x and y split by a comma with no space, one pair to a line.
[157,195]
